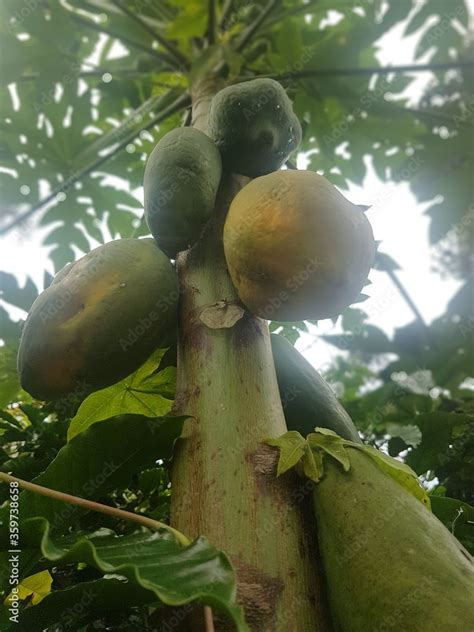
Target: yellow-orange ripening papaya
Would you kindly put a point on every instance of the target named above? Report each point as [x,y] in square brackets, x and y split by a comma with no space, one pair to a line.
[99,320]
[254,126]
[296,248]
[390,564]
[182,176]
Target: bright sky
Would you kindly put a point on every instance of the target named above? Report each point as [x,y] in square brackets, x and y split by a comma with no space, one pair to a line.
[396,217]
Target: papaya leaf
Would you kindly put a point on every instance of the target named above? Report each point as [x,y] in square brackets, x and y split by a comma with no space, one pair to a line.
[100,460]
[142,393]
[399,471]
[11,292]
[313,464]
[9,384]
[324,440]
[385,262]
[353,319]
[190,22]
[326,431]
[80,604]
[292,449]
[409,433]
[332,444]
[373,340]
[152,560]
[437,430]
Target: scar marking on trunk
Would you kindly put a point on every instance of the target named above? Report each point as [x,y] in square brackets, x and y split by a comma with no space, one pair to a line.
[258,593]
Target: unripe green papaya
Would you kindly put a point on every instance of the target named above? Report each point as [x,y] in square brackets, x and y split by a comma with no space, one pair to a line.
[307,399]
[99,320]
[390,564]
[182,176]
[254,126]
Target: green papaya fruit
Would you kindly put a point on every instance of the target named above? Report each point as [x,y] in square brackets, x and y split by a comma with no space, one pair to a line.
[254,126]
[181,179]
[307,399]
[99,320]
[390,564]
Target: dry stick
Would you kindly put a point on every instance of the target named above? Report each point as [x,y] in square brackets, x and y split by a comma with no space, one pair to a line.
[180,59]
[120,514]
[181,102]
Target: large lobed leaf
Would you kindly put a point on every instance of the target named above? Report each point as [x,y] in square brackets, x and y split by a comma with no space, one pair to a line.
[156,568]
[50,135]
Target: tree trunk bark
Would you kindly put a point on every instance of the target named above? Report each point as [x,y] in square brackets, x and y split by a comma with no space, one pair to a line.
[223,476]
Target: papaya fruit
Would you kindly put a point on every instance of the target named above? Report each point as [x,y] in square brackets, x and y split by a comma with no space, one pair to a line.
[254,126]
[99,320]
[181,179]
[390,563]
[296,248]
[307,399]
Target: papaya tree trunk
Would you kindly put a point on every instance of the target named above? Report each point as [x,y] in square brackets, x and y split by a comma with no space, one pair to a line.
[224,477]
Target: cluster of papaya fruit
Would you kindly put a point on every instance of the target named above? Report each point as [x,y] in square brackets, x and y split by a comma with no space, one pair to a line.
[295,247]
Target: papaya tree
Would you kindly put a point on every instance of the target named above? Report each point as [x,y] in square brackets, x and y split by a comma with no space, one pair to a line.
[180,466]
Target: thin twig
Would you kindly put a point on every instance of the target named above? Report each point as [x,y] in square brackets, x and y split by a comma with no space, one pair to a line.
[181,102]
[120,514]
[211,23]
[180,59]
[249,33]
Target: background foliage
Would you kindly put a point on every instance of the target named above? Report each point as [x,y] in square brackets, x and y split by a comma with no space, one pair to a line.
[87,89]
